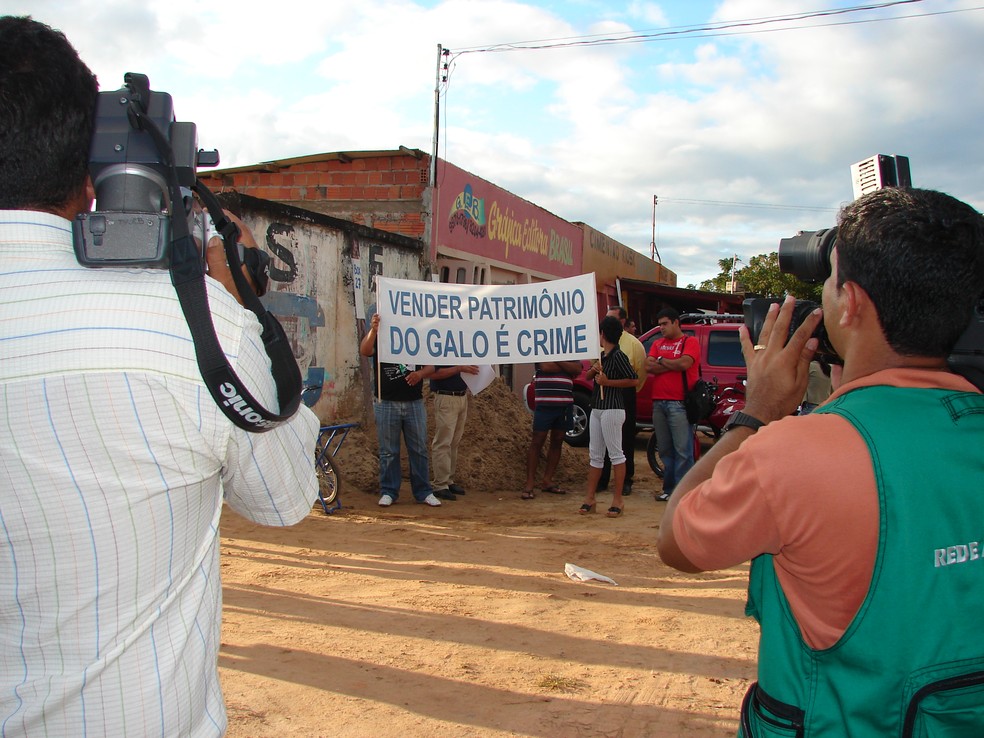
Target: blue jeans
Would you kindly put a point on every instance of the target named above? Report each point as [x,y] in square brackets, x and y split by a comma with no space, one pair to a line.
[675,440]
[410,419]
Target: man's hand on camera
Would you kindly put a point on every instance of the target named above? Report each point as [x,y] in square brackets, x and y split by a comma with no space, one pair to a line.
[216,265]
[778,370]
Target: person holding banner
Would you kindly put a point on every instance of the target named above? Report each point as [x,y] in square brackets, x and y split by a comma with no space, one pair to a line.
[613,372]
[399,408]
[450,395]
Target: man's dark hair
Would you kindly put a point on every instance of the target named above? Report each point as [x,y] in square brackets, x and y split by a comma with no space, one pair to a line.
[611,328]
[919,254]
[622,314]
[670,313]
[47,112]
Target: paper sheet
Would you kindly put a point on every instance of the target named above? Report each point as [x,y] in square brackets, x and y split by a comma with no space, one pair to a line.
[580,574]
[477,382]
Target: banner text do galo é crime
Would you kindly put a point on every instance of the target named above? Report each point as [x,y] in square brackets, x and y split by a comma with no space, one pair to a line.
[450,324]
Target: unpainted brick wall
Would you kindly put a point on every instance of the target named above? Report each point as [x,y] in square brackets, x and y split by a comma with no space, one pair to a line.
[358,190]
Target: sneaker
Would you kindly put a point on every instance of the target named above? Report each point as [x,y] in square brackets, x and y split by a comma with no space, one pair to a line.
[386,501]
[430,500]
[457,489]
[444,494]
[661,497]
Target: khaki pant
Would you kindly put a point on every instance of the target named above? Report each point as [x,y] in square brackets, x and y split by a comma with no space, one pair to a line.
[450,413]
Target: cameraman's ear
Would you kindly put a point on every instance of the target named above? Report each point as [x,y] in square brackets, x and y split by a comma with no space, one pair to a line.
[90,191]
[853,303]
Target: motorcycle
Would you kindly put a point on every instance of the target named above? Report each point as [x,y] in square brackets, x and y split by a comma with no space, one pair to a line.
[727,401]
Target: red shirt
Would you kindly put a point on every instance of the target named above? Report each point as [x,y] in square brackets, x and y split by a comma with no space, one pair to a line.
[669,385]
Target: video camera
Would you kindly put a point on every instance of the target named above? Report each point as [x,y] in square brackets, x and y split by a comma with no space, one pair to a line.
[807,257]
[143,165]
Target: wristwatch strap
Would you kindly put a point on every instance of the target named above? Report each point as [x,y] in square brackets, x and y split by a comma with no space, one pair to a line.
[740,418]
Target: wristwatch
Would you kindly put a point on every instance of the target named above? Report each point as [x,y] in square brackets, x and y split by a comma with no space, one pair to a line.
[740,418]
[659,359]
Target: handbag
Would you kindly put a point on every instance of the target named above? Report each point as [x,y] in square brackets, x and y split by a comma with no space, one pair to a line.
[698,400]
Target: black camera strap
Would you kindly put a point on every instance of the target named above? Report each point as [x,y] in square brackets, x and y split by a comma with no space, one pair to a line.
[188,277]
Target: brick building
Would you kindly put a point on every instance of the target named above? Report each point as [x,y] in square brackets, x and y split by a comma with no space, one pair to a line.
[470,230]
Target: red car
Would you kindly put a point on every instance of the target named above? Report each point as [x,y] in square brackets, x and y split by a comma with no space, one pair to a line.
[721,363]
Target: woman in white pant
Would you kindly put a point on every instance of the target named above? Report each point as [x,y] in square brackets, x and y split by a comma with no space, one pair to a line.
[607,415]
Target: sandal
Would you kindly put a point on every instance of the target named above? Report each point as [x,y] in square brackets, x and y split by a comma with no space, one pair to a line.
[614,512]
[553,489]
[586,508]
[528,494]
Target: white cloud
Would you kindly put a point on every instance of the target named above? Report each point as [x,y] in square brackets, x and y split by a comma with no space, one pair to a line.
[589,133]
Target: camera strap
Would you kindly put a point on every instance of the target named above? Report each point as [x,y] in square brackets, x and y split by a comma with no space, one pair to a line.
[188,277]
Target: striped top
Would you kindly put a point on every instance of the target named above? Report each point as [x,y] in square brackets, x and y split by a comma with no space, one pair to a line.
[615,364]
[114,462]
[553,389]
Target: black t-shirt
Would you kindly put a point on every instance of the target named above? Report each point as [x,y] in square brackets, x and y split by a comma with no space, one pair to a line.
[392,382]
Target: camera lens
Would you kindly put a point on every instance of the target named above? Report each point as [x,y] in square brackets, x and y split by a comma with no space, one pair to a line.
[807,255]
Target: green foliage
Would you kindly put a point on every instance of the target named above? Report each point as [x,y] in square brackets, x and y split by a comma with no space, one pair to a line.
[761,276]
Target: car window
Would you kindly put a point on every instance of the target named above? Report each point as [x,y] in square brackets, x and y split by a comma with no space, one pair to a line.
[648,342]
[724,349]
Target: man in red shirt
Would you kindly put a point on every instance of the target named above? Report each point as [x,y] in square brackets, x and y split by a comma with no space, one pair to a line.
[672,358]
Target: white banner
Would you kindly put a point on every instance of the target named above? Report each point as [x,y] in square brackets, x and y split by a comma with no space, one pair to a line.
[453,324]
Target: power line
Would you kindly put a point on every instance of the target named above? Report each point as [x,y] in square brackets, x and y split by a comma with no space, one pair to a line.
[707,30]
[758,205]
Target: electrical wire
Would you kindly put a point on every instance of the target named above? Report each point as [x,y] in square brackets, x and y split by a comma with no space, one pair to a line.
[763,206]
[709,30]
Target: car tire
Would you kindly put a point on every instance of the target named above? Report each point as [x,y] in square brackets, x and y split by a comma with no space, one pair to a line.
[652,454]
[582,411]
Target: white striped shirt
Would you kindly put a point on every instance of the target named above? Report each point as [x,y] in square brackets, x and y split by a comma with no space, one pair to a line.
[114,461]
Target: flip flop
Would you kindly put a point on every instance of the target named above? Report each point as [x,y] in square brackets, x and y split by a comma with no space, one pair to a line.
[528,494]
[553,489]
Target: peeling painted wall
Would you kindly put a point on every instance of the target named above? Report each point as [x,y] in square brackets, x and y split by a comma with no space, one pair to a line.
[314,262]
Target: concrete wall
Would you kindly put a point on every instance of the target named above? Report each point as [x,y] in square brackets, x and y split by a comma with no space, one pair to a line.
[315,264]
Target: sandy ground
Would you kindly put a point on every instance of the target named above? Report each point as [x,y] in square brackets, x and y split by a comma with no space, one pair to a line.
[459,620]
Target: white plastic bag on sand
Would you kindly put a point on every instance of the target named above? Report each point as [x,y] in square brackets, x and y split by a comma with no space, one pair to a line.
[580,574]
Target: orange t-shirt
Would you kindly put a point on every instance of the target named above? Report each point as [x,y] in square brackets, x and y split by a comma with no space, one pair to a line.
[802,489]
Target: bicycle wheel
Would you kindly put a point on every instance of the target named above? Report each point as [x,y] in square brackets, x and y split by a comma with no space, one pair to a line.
[329,481]
[652,454]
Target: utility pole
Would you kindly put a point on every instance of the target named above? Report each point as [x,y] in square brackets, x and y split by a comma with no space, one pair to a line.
[734,266]
[653,251]
[437,117]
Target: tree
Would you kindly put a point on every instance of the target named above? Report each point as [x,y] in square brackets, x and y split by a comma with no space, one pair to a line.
[761,276]
[720,282]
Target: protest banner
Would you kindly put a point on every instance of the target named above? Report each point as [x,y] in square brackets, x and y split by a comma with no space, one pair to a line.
[453,324]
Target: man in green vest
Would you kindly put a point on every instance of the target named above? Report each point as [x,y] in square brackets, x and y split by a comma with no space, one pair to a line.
[864,520]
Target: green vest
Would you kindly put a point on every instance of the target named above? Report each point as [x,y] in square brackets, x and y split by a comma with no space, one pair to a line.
[911,663]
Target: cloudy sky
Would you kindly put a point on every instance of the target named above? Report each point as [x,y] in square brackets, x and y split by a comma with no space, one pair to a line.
[743,116]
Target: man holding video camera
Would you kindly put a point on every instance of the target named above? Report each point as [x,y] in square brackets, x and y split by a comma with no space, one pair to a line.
[114,458]
[862,519]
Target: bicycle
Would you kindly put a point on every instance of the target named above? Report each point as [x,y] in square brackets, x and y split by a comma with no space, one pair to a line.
[329,479]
